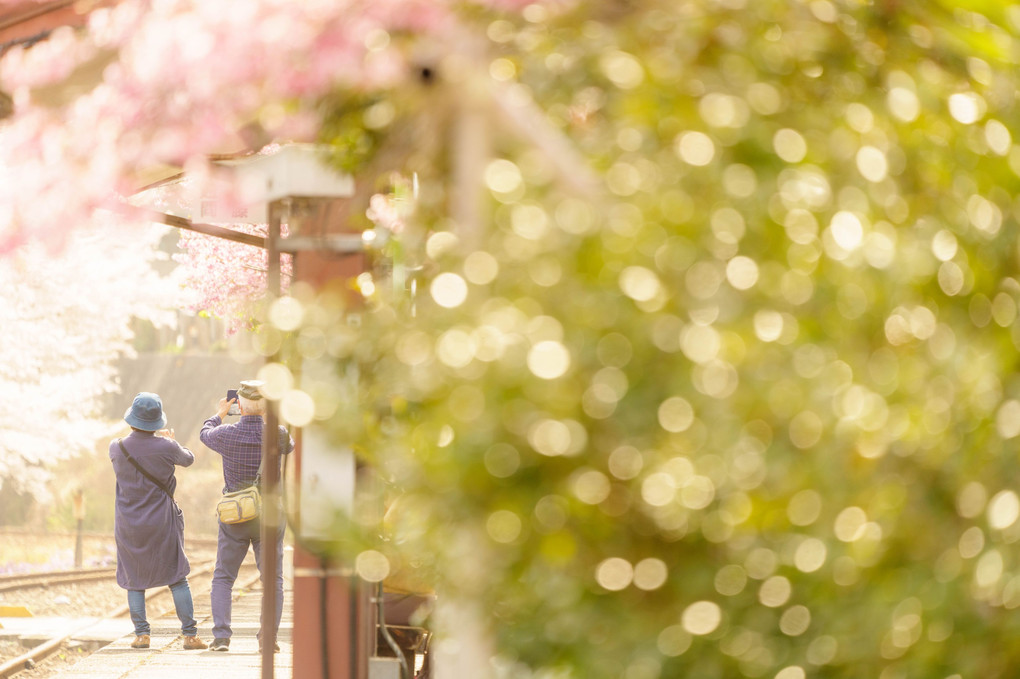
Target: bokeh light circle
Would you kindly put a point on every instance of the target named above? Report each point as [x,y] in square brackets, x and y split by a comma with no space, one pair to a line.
[966,107]
[449,290]
[297,408]
[849,524]
[872,164]
[810,555]
[278,380]
[789,145]
[1007,419]
[550,437]
[639,283]
[775,591]
[768,325]
[480,267]
[650,574]
[675,414]
[502,176]
[701,618]
[1003,509]
[503,526]
[591,487]
[673,641]
[742,272]
[903,104]
[502,460]
[623,69]
[730,580]
[695,148]
[614,574]
[804,507]
[795,621]
[548,360]
[286,313]
[372,566]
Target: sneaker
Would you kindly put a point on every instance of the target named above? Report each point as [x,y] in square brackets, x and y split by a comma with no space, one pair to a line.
[220,645]
[141,641]
[194,644]
[276,647]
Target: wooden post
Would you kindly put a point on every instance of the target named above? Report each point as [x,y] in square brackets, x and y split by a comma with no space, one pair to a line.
[333,627]
[271,467]
[78,504]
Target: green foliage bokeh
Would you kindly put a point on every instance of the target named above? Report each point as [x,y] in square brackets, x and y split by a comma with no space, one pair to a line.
[751,409]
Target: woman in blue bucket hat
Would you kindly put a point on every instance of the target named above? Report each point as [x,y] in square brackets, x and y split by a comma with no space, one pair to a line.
[148,524]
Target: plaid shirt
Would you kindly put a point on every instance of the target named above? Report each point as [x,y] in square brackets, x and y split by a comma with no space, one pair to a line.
[240,445]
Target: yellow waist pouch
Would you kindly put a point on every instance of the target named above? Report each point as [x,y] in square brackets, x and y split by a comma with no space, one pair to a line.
[239,506]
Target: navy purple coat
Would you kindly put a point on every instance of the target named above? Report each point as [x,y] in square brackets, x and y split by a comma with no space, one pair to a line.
[148,525]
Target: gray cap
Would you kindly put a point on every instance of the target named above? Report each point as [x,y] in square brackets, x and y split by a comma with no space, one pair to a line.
[251,389]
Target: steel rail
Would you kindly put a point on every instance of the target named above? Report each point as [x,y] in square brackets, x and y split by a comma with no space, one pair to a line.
[28,580]
[14,581]
[8,530]
[11,577]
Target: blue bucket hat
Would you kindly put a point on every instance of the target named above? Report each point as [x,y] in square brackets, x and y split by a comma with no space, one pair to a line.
[146,412]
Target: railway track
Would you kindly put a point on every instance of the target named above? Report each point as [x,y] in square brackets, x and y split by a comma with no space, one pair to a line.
[158,599]
[95,535]
[17,581]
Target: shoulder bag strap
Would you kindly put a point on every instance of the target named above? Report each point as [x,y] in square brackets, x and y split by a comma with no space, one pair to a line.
[162,486]
[258,474]
[262,460]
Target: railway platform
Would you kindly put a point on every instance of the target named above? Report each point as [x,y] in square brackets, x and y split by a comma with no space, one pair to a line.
[165,658]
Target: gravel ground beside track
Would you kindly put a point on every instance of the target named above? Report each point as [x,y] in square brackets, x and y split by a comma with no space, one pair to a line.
[82,600]
[52,666]
[87,599]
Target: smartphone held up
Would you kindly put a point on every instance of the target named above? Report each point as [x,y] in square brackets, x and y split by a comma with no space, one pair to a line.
[235,409]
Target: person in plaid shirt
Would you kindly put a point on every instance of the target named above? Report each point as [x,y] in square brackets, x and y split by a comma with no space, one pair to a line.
[240,446]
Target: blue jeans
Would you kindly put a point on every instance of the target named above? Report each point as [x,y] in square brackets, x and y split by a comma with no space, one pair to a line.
[231,548]
[182,603]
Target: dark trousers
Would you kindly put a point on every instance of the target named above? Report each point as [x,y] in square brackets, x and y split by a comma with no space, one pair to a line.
[231,549]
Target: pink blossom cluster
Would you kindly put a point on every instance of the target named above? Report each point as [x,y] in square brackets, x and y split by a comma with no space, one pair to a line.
[227,278]
[156,82]
[386,212]
[182,78]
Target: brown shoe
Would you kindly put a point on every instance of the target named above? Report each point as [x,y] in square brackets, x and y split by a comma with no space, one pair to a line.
[141,641]
[194,644]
